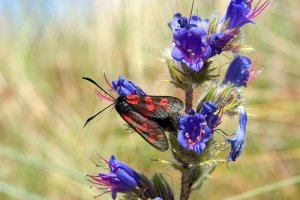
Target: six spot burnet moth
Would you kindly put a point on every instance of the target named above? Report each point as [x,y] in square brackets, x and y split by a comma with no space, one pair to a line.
[149,116]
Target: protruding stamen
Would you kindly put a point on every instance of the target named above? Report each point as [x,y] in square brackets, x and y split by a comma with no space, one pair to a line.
[258,9]
[106,80]
[102,96]
[253,71]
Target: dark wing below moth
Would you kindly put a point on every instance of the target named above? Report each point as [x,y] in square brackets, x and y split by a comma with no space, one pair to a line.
[155,106]
[147,128]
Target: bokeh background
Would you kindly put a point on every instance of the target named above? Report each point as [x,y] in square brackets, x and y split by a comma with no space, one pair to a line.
[47,46]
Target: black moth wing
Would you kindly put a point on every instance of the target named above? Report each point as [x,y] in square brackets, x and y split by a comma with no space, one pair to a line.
[146,128]
[160,107]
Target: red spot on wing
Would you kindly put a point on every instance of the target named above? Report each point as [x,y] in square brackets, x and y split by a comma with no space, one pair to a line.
[127,118]
[157,137]
[150,104]
[143,128]
[132,99]
[163,102]
[151,139]
[165,105]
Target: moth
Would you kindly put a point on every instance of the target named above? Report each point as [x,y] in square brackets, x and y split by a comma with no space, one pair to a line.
[149,116]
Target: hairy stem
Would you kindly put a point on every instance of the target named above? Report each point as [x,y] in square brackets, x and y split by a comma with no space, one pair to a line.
[185,184]
[188,98]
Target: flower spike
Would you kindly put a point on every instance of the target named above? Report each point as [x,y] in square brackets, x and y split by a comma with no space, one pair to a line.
[121,178]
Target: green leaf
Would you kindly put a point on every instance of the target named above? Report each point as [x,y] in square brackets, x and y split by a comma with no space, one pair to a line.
[162,187]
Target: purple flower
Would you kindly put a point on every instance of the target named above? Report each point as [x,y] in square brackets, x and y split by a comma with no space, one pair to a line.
[238,71]
[180,21]
[219,40]
[194,131]
[191,47]
[124,87]
[121,178]
[239,12]
[208,109]
[177,22]
[238,142]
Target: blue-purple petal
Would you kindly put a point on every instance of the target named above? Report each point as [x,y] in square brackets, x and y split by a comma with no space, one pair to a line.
[208,108]
[237,13]
[125,180]
[177,55]
[177,22]
[180,21]
[116,164]
[121,178]
[194,21]
[238,142]
[194,131]
[238,72]
[125,87]
[190,47]
[218,41]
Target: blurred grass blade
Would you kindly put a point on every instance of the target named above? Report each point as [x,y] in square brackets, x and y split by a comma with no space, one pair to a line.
[17,192]
[41,164]
[266,188]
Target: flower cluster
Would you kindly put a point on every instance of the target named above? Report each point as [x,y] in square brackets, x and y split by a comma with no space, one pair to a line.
[196,129]
[123,179]
[160,120]
[196,41]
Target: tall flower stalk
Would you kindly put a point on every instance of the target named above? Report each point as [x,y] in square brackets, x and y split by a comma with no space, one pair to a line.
[189,133]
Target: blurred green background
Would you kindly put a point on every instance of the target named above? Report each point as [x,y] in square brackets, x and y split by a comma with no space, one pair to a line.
[47,46]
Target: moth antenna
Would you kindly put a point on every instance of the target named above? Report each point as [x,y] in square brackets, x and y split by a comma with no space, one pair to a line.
[89,119]
[106,80]
[191,12]
[92,81]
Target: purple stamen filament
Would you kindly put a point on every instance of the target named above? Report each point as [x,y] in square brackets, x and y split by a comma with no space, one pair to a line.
[257,9]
